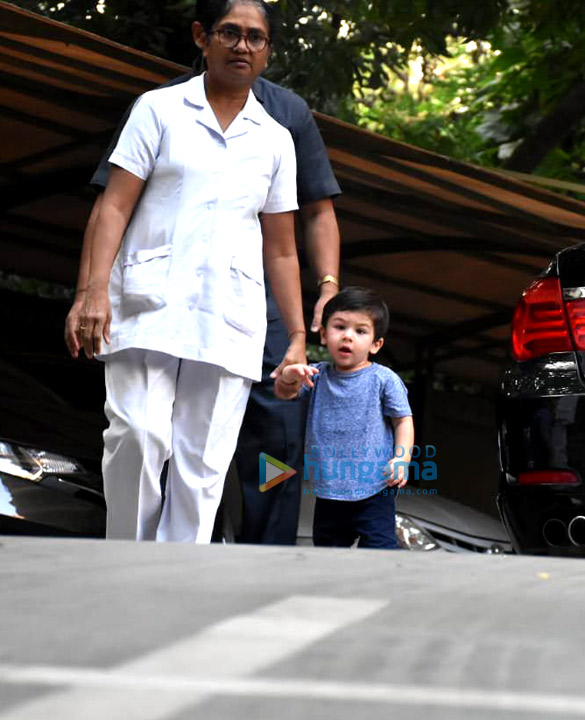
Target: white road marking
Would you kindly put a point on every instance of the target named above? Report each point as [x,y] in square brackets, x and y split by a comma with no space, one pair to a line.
[245,644]
[298,689]
[234,648]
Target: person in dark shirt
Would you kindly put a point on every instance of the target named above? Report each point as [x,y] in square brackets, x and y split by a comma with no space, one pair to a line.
[270,425]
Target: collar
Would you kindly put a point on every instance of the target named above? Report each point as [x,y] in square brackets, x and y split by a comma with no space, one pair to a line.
[253,109]
[195,95]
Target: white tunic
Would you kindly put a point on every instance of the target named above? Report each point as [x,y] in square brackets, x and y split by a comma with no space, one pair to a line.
[188,279]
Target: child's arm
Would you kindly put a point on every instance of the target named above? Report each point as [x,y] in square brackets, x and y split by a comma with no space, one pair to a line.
[288,384]
[404,439]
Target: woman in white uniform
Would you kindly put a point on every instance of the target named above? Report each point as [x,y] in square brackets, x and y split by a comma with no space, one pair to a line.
[200,198]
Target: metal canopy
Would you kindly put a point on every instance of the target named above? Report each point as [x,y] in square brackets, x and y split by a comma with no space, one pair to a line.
[450,245]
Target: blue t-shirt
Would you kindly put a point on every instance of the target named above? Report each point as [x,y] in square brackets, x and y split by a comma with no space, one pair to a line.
[349,437]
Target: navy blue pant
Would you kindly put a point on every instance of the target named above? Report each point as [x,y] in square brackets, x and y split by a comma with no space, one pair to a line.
[274,427]
[339,523]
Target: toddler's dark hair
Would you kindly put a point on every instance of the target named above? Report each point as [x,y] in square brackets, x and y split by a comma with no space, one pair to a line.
[360,299]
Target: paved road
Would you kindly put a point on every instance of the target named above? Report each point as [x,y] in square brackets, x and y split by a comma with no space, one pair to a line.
[122,631]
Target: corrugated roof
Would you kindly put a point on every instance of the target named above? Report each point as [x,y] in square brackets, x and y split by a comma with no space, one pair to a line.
[450,245]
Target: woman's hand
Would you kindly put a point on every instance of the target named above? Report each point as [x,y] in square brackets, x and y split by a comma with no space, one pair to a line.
[326,292]
[106,227]
[95,320]
[282,267]
[296,353]
[72,332]
[73,321]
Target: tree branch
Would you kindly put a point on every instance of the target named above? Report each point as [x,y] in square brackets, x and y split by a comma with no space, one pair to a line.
[336,23]
[550,131]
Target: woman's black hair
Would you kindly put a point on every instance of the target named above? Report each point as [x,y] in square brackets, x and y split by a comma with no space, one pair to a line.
[360,299]
[210,12]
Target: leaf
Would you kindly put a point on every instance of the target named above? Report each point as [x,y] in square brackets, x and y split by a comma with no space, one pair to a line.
[509,58]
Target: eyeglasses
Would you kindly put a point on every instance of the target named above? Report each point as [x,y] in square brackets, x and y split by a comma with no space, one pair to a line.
[255,42]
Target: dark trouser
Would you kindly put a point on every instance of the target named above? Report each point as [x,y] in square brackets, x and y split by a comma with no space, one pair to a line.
[338,523]
[274,427]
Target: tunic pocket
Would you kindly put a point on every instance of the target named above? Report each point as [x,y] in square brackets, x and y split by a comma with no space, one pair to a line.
[245,307]
[145,279]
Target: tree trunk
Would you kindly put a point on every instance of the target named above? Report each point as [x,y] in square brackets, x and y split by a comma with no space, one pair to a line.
[550,131]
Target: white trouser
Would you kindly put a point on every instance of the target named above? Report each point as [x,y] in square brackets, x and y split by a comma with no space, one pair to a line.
[162,408]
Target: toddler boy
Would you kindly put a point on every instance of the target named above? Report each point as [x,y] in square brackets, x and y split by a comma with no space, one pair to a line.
[359,430]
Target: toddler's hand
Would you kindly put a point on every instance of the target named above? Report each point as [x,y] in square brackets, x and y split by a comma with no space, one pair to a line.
[288,384]
[396,473]
[299,375]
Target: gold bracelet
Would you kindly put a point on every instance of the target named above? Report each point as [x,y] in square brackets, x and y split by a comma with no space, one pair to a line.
[296,332]
[328,279]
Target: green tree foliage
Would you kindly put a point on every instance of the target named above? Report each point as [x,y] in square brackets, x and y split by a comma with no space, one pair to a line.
[440,105]
[160,28]
[322,48]
[517,99]
[542,86]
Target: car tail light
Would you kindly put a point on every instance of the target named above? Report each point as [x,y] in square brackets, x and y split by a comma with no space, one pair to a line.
[548,477]
[576,317]
[540,326]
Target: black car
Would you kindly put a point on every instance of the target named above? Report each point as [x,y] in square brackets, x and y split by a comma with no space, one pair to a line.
[429,522]
[541,413]
[50,481]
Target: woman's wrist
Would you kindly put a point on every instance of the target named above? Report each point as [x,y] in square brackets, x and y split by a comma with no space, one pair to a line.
[328,280]
[329,289]
[97,286]
[294,333]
